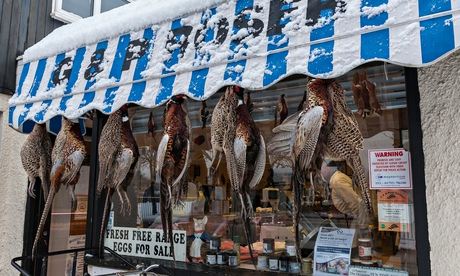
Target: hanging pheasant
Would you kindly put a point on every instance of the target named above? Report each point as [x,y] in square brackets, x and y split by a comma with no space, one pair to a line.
[281,110]
[151,125]
[364,94]
[249,147]
[36,158]
[204,114]
[67,156]
[118,154]
[248,102]
[233,133]
[327,128]
[173,160]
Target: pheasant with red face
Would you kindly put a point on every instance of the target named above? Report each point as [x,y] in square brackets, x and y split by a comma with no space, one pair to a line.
[67,156]
[36,158]
[173,160]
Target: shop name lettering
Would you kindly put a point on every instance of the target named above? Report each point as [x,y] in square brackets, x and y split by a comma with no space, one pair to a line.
[143,242]
[180,35]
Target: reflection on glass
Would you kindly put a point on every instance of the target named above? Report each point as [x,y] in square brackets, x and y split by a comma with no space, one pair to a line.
[381,124]
[107,5]
[79,7]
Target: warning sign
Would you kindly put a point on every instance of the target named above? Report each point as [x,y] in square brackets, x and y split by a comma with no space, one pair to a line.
[389,169]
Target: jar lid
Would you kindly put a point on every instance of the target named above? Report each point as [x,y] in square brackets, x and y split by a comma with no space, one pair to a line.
[364,240]
[307,260]
[367,263]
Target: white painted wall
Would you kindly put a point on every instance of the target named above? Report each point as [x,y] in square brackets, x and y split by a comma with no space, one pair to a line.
[13,187]
[440,110]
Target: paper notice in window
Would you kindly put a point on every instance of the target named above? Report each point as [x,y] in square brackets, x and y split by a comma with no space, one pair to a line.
[389,169]
[394,210]
[332,251]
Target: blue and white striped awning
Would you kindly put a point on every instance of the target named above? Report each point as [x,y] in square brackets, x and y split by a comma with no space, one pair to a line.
[251,43]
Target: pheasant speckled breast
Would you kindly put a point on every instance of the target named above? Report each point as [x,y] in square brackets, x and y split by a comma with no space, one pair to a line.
[36,158]
[173,160]
[67,157]
[109,145]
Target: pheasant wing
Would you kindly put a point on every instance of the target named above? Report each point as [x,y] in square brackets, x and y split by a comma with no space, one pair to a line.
[125,159]
[161,153]
[259,166]
[73,164]
[240,148]
[308,128]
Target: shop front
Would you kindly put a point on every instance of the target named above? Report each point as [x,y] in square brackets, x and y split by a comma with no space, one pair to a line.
[233,137]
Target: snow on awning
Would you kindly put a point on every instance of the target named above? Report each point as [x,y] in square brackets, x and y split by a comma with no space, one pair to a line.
[147,51]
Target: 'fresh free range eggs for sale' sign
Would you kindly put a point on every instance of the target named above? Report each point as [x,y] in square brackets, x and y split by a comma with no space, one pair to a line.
[146,243]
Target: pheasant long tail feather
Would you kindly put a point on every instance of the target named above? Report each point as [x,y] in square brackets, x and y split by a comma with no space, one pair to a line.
[259,167]
[246,226]
[365,193]
[166,214]
[105,217]
[41,225]
[297,204]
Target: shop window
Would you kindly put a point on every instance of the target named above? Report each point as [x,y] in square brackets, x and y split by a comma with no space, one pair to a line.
[72,10]
[387,240]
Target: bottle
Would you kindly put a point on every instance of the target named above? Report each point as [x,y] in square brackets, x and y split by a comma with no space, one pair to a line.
[232,259]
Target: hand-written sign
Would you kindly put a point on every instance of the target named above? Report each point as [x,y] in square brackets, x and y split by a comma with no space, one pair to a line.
[147,243]
[389,169]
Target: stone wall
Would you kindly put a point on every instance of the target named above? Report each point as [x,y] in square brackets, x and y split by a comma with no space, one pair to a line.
[439,103]
[13,191]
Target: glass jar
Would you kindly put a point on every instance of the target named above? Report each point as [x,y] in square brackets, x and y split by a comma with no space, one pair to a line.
[307,266]
[214,244]
[290,248]
[283,263]
[294,265]
[365,249]
[232,259]
[222,258]
[273,262]
[211,258]
[269,246]
[262,261]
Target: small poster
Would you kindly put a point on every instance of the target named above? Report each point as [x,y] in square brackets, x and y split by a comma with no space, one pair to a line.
[75,241]
[147,243]
[389,169]
[394,210]
[375,271]
[332,251]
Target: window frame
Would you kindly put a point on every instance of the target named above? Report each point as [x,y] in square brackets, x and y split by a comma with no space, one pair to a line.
[58,13]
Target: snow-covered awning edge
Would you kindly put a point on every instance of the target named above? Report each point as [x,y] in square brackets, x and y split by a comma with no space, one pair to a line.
[131,17]
[99,106]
